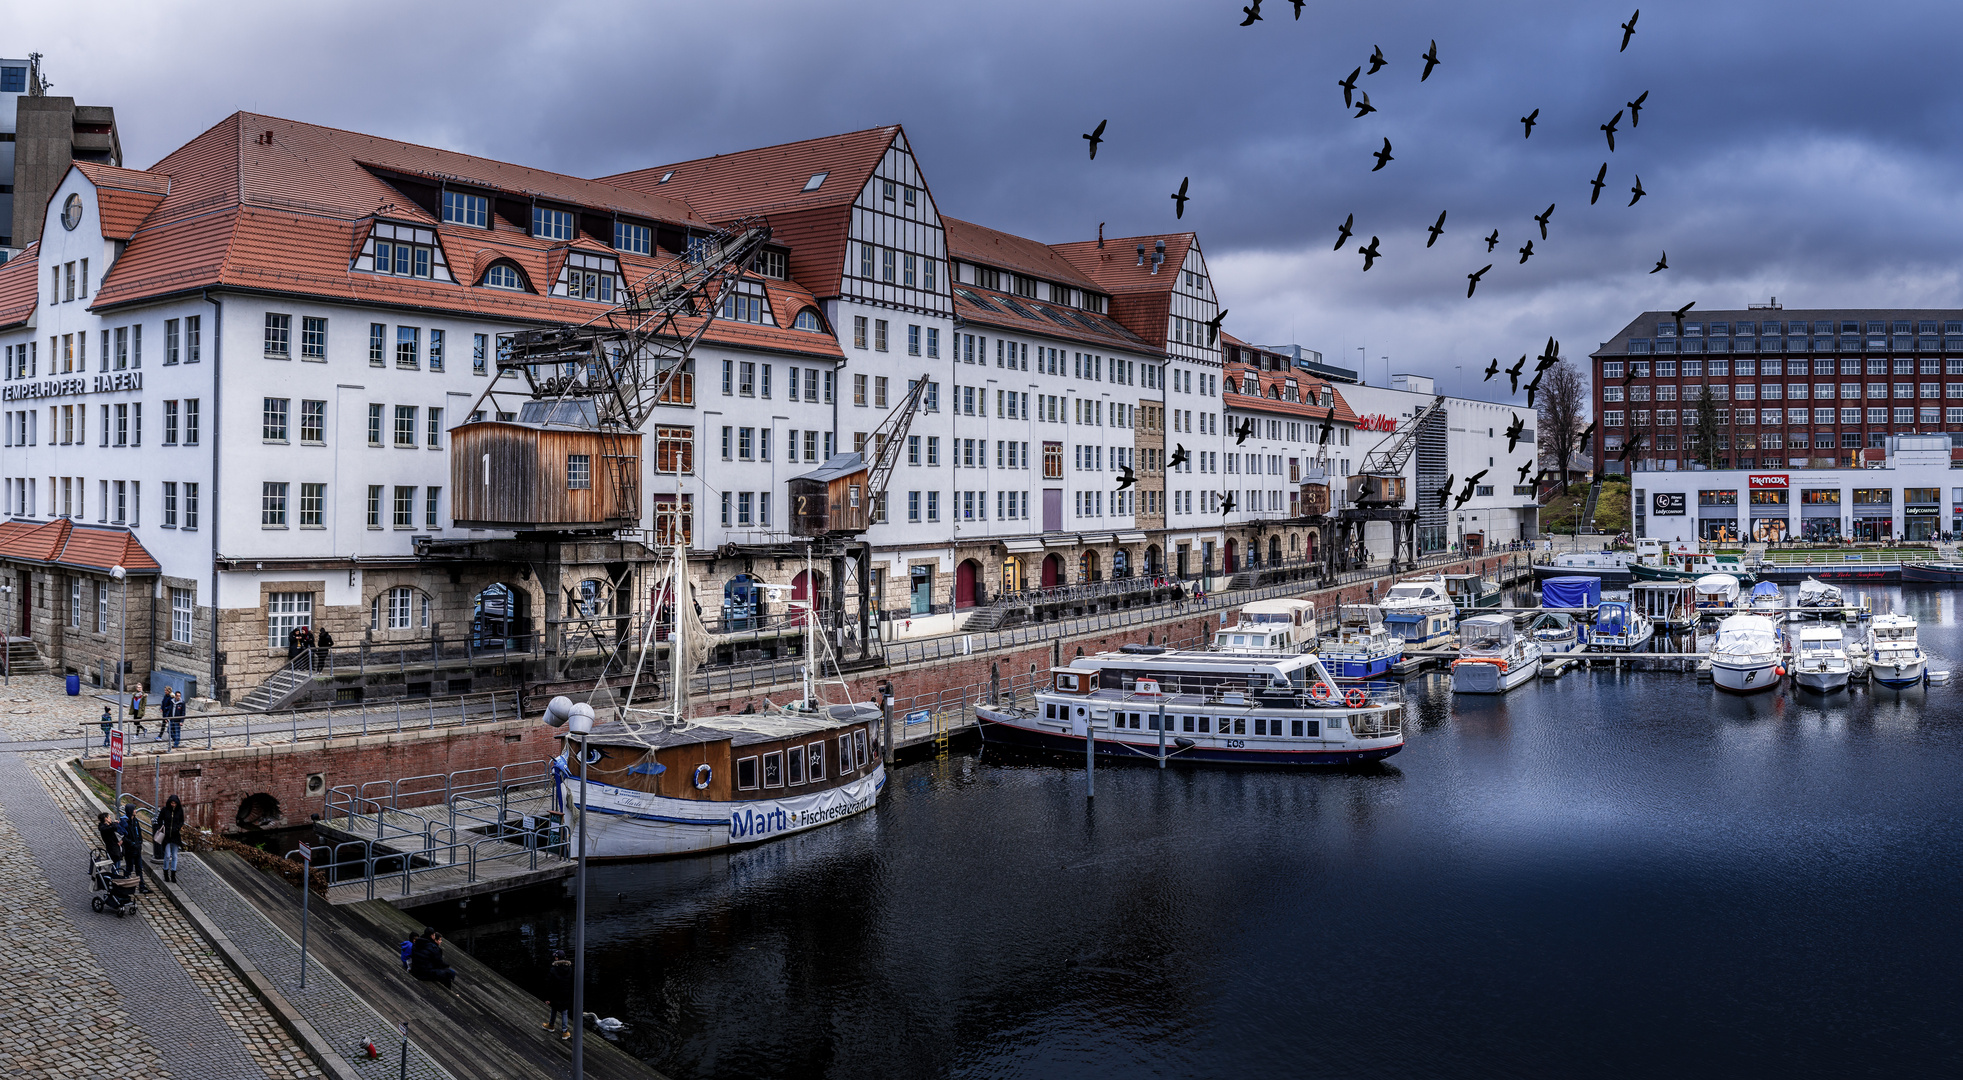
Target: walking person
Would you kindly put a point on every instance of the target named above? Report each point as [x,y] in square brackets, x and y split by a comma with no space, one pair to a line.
[111,837]
[133,847]
[108,721]
[174,717]
[559,988]
[137,701]
[170,835]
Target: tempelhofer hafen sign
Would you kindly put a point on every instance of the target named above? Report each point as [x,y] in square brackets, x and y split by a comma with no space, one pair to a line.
[109,383]
[1668,503]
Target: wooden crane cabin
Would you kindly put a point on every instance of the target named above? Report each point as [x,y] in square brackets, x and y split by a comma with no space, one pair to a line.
[553,469]
[832,499]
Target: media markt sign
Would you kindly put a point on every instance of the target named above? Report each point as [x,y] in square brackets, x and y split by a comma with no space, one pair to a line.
[108,383]
[1668,504]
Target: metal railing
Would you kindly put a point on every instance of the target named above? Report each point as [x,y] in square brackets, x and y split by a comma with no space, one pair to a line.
[398,716]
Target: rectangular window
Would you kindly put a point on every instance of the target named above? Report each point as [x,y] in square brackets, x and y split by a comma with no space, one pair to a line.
[374,506]
[377,344]
[374,424]
[933,506]
[405,425]
[170,424]
[434,434]
[551,224]
[272,506]
[638,239]
[408,346]
[463,208]
[436,350]
[313,504]
[313,421]
[273,418]
[432,498]
[859,386]
[859,331]
[478,359]
[879,335]
[405,507]
[933,336]
[181,607]
[313,338]
[579,471]
[865,260]
[279,332]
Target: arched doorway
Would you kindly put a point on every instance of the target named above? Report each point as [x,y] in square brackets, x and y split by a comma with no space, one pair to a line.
[500,618]
[1121,563]
[1274,548]
[1155,560]
[1015,577]
[1231,563]
[808,585]
[742,603]
[966,577]
[1087,567]
[1052,570]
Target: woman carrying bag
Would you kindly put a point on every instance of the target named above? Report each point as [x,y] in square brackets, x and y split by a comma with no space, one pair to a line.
[169,836]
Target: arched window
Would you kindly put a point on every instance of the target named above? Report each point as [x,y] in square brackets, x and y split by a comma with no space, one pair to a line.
[400,608]
[808,320]
[503,276]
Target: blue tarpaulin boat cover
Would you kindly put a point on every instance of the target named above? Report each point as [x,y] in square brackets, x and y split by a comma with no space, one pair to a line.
[1571,592]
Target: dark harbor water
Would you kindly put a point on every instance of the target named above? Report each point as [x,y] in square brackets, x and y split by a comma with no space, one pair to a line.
[1596,876]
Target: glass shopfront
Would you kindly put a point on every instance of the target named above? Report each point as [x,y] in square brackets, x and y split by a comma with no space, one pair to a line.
[1769,521]
[1717,515]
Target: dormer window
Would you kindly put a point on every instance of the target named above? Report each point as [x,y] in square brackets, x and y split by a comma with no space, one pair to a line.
[588,277]
[816,179]
[403,251]
[771,264]
[638,239]
[463,208]
[549,224]
[808,320]
[503,276]
[745,302]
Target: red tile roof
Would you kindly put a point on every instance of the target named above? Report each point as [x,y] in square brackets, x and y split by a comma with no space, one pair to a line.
[86,547]
[20,286]
[1236,375]
[1043,318]
[124,197]
[1115,268]
[278,205]
[970,242]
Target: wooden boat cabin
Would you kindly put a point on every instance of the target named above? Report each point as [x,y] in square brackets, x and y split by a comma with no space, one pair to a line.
[552,469]
[774,757]
[832,499]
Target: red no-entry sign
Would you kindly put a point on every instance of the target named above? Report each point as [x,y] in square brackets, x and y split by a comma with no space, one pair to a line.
[116,749]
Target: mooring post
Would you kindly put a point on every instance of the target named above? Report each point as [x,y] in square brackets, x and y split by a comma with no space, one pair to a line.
[1090,755]
[886,720]
[1162,731]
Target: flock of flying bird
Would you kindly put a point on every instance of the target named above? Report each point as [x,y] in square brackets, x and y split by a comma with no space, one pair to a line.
[1355,97]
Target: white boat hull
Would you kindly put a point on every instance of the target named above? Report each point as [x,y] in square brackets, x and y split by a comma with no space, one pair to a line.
[1484,678]
[1900,673]
[1746,678]
[627,824]
[1822,679]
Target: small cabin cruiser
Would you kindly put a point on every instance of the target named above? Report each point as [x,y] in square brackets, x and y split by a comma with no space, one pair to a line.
[1746,656]
[1419,629]
[1717,591]
[1493,656]
[1619,627]
[1819,600]
[1469,592]
[1363,647]
[1822,662]
[1555,631]
[1894,656]
[1417,594]
[1270,626]
[1666,604]
[1218,708]
[1768,599]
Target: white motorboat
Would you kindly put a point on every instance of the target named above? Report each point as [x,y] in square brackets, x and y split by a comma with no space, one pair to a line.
[1619,627]
[1556,631]
[1819,600]
[1363,647]
[1768,599]
[1493,656]
[1420,611]
[1270,626]
[1717,591]
[1746,657]
[1822,662]
[1894,655]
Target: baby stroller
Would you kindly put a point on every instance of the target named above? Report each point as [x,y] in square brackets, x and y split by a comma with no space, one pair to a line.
[117,894]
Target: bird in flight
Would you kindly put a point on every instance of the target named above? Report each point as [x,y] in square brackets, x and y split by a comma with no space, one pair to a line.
[1445,490]
[1472,282]
[1178,458]
[1513,373]
[1530,120]
[1549,354]
[1629,29]
[1253,14]
[1632,444]
[1493,368]
[1513,432]
[1585,433]
[1344,233]
[1492,241]
[1542,218]
[1383,156]
[1532,388]
[1526,467]
[1370,254]
[1377,60]
[1179,197]
[1242,432]
[1431,60]
[1227,504]
[1662,263]
[1636,193]
[1364,108]
[1636,108]
[1213,327]
[1609,128]
[1436,228]
[1096,136]
[1298,8]
[1527,252]
[1600,182]
[1679,316]
[1349,87]
[1125,477]
[1328,425]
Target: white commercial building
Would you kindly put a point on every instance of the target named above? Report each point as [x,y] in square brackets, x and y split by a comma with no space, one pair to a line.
[1909,497]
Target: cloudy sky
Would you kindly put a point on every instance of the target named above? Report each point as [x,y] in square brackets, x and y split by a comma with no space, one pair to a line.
[1794,149]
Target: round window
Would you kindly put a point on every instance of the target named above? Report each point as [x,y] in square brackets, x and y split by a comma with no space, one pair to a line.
[71,212]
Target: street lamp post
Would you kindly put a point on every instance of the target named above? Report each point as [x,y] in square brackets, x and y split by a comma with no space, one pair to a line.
[122,616]
[578,716]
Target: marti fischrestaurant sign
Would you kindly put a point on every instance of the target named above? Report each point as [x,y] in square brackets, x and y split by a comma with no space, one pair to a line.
[112,383]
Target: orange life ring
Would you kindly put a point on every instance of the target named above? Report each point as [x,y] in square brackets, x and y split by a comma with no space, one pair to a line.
[1355,698]
[1321,691]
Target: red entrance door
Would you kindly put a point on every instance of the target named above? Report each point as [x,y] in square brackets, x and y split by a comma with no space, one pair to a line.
[1231,549]
[964,584]
[1052,569]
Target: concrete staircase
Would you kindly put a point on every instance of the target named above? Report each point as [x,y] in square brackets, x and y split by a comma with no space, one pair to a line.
[23,658]
[277,690]
[984,620]
[1245,579]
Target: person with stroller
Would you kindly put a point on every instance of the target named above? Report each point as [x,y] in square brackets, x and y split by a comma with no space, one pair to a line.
[111,837]
[132,830]
[169,836]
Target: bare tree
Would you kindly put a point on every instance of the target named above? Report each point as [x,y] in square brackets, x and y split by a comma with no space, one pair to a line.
[1563,404]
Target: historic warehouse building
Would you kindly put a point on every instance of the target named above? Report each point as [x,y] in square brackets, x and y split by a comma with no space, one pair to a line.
[236,375]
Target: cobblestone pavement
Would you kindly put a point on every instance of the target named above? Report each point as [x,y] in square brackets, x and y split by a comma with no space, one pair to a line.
[164,1014]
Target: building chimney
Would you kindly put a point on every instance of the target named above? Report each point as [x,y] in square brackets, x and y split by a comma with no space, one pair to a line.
[1141,254]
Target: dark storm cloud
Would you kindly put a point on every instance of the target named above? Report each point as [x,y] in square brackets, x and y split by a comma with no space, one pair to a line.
[1799,149]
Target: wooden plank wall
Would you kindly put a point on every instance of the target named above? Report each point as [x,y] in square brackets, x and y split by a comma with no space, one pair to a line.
[525,484]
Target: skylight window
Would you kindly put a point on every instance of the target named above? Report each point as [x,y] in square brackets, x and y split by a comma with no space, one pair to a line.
[667,176]
[816,179]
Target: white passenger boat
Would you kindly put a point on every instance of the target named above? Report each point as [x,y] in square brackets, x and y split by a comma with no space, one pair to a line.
[1218,708]
[1270,626]
[1717,591]
[1746,656]
[1819,600]
[1619,627]
[1894,655]
[1493,656]
[1363,647]
[1821,663]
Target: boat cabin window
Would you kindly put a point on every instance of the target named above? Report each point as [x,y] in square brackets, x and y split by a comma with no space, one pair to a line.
[746,773]
[794,764]
[773,770]
[1240,725]
[1305,728]
[859,746]
[845,764]
[816,755]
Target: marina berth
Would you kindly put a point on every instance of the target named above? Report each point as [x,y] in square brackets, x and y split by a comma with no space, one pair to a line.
[1619,627]
[1364,648]
[1185,707]
[1894,654]
[1822,663]
[1745,658]
[1494,657]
